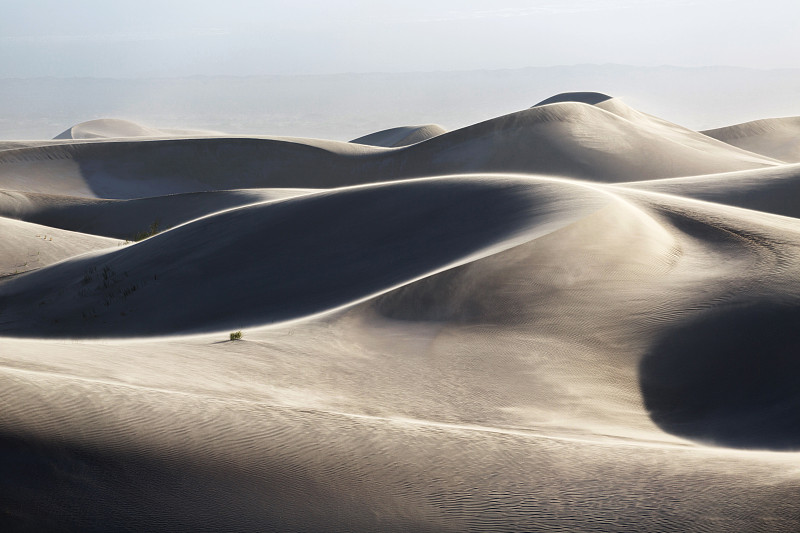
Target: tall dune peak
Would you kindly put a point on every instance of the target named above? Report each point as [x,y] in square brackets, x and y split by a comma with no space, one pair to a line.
[591,98]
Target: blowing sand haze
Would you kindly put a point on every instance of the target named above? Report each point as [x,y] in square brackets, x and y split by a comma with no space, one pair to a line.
[575,317]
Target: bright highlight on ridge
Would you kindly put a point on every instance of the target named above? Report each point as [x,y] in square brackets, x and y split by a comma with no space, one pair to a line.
[573,314]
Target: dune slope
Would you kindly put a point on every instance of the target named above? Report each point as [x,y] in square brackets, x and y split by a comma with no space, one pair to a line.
[26,246]
[568,139]
[774,137]
[124,219]
[772,190]
[111,128]
[576,317]
[312,253]
[402,136]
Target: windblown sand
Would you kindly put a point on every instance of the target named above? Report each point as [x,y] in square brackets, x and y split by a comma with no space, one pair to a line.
[577,317]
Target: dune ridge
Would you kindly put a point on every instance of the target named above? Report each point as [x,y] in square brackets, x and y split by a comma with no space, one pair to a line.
[567,139]
[772,190]
[123,219]
[176,261]
[112,128]
[773,137]
[402,136]
[575,317]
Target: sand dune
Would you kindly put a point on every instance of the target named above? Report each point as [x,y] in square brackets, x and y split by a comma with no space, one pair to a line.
[576,317]
[778,138]
[110,128]
[591,98]
[25,246]
[406,231]
[567,139]
[649,124]
[402,136]
[583,141]
[772,190]
[124,219]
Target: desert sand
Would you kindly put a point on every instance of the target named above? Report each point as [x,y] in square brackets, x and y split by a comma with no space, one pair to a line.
[575,317]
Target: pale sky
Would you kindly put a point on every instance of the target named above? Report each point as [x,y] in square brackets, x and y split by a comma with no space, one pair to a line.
[141,38]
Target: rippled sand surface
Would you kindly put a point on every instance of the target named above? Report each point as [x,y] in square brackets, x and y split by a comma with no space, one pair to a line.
[577,317]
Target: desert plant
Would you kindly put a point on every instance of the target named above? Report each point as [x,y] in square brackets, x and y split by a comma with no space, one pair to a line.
[149,232]
[236,336]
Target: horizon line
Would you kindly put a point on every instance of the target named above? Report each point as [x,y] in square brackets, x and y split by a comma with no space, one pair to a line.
[402,72]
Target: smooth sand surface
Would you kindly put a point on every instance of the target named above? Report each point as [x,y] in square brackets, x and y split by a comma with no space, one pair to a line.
[111,128]
[774,137]
[577,317]
[402,136]
[570,139]
[772,190]
[125,219]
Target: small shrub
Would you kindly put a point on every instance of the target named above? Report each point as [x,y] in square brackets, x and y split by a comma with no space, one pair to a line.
[149,232]
[236,336]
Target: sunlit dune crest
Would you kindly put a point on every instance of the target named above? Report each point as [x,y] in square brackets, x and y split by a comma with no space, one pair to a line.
[773,137]
[573,317]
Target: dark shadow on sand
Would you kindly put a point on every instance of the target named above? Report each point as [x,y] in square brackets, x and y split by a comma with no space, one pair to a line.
[731,378]
[590,98]
[54,485]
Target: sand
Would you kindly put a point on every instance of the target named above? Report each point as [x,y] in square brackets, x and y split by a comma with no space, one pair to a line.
[576,317]
[401,136]
[773,137]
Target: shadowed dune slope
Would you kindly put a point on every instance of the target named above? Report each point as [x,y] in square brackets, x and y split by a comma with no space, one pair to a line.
[661,128]
[584,141]
[612,346]
[527,380]
[634,300]
[729,377]
[401,136]
[291,258]
[590,98]
[568,139]
[772,190]
[774,137]
[724,370]
[125,218]
[131,169]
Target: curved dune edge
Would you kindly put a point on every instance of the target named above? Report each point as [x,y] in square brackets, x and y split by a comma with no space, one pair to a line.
[567,139]
[771,190]
[127,219]
[25,246]
[401,136]
[591,98]
[546,402]
[114,128]
[478,352]
[302,264]
[773,137]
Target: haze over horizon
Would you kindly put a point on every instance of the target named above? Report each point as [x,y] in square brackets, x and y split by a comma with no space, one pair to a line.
[89,38]
[420,266]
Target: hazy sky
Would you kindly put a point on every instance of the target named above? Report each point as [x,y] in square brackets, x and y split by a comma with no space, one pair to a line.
[242,37]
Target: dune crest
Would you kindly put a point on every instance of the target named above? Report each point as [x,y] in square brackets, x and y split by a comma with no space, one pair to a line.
[402,136]
[778,138]
[567,139]
[590,98]
[275,282]
[576,316]
[116,128]
[123,219]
